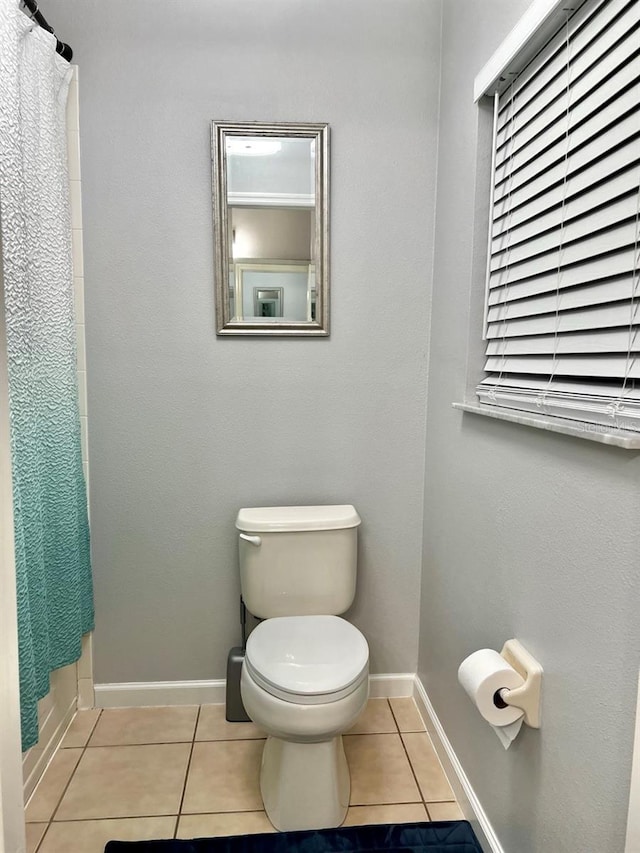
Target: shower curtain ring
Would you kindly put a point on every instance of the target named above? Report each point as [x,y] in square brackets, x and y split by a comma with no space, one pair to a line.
[34,13]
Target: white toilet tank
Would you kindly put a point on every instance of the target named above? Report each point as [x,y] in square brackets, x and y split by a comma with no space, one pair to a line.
[298,560]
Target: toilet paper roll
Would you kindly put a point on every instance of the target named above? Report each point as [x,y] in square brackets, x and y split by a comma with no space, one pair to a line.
[482,674]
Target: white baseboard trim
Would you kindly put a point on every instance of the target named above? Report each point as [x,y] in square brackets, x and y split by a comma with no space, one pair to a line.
[36,759]
[138,694]
[633,818]
[465,794]
[391,685]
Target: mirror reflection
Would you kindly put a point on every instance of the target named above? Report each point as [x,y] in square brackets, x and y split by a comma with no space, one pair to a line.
[270,216]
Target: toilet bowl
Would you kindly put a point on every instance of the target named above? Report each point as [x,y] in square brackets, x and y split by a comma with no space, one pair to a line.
[304,682]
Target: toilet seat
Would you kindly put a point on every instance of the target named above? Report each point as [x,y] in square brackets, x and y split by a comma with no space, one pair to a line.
[308,660]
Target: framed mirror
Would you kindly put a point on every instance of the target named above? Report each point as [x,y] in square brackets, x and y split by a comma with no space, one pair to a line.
[271,228]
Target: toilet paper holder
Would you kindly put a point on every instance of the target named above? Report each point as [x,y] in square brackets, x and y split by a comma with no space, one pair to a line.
[528,697]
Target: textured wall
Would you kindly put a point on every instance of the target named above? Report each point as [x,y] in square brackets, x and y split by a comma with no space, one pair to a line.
[528,534]
[187,428]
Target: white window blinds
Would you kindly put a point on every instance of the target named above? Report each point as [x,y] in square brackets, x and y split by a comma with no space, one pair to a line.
[563,283]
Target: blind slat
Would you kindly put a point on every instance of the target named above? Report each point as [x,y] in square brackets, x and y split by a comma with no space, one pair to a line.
[560,385]
[524,206]
[608,366]
[598,317]
[616,71]
[583,145]
[576,343]
[591,271]
[612,290]
[593,413]
[583,28]
[578,253]
[583,57]
[622,184]
[576,229]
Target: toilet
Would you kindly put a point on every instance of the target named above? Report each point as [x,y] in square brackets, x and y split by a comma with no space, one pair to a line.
[305,675]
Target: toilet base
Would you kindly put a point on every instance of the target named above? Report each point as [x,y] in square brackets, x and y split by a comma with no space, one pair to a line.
[305,785]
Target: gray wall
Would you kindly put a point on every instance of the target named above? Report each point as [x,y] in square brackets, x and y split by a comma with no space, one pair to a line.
[186,428]
[528,534]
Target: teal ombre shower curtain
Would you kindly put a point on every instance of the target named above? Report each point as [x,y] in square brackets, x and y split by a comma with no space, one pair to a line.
[55,597]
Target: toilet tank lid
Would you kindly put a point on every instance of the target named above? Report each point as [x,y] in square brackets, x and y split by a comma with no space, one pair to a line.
[265,519]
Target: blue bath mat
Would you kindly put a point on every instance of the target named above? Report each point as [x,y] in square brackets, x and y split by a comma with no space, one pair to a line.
[450,836]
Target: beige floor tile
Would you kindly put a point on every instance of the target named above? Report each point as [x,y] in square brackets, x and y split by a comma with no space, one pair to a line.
[51,786]
[35,831]
[376,718]
[118,726]
[380,771]
[407,715]
[212,725]
[90,836]
[398,813]
[126,781]
[445,811]
[426,765]
[231,823]
[80,729]
[224,777]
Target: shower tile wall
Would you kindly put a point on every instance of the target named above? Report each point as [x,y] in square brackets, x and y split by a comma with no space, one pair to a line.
[75,682]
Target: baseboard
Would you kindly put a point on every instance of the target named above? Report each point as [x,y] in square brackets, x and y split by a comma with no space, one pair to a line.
[139,694]
[36,759]
[462,788]
[391,685]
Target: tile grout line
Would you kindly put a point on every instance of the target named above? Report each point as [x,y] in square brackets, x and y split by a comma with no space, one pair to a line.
[399,733]
[413,772]
[64,791]
[434,801]
[84,749]
[366,805]
[186,775]
[425,802]
[421,731]
[111,817]
[207,813]
[170,742]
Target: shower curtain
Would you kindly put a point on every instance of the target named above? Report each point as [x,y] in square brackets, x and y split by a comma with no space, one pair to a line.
[55,597]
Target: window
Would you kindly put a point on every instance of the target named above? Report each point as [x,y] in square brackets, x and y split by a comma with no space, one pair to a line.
[562,312]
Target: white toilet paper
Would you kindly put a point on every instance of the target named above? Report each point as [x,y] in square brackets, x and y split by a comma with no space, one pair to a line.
[482,675]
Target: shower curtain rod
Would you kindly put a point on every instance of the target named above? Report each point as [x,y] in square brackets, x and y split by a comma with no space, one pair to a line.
[63,49]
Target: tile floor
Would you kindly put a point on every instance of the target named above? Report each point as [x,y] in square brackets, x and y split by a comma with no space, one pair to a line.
[142,773]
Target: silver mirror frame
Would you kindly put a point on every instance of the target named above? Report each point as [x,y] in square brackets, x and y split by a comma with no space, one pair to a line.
[220,130]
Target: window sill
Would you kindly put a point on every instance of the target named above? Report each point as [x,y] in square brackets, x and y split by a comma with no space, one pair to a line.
[579,429]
